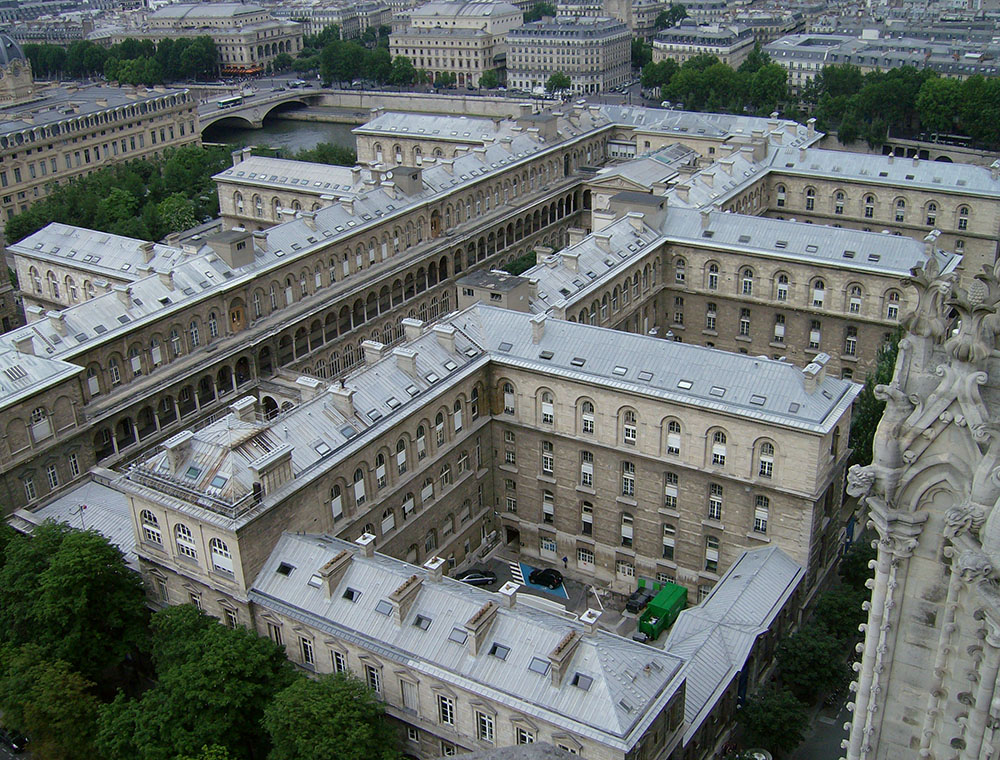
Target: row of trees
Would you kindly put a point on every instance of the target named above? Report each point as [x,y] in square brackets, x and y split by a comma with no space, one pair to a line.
[85,671]
[144,199]
[129,62]
[703,83]
[323,153]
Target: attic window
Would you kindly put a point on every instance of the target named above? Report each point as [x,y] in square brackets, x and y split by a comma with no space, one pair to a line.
[758,400]
[505,347]
[285,569]
[348,432]
[578,361]
[384,607]
[582,681]
[192,472]
[352,594]
[422,622]
[781,244]
[849,254]
[458,635]
[450,365]
[811,248]
[717,391]
[619,371]
[219,481]
[625,705]
[684,385]
[374,414]
[124,319]
[645,376]
[708,233]
[793,407]
[744,238]
[499,651]
[431,378]
[546,355]
[874,256]
[392,402]
[315,581]
[412,390]
[322,448]
[909,176]
[471,352]
[538,665]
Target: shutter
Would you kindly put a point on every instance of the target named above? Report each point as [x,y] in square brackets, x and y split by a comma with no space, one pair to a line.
[409,691]
[760,513]
[401,458]
[157,356]
[712,555]
[626,530]
[587,468]
[136,364]
[359,490]
[779,331]
[93,385]
[337,506]
[547,410]
[380,472]
[670,490]
[674,441]
[818,297]
[408,506]
[719,449]
[388,523]
[814,336]
[427,491]
[458,420]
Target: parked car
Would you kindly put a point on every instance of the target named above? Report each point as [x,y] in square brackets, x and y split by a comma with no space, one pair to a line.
[546,577]
[478,577]
[638,599]
[17,742]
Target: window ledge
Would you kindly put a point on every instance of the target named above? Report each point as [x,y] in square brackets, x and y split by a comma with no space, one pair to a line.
[708,575]
[775,344]
[715,524]
[763,537]
[676,325]
[627,501]
[587,490]
[669,512]
[546,478]
[713,333]
[512,468]
[849,358]
[744,339]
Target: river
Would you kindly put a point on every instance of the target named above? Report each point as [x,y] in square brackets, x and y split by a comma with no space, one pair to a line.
[290,134]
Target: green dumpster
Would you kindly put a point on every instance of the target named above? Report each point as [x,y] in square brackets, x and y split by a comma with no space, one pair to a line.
[661,613]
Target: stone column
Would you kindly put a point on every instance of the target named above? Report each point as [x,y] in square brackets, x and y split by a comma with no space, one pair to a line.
[989,666]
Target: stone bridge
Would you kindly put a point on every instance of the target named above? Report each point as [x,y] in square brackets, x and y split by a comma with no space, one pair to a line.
[254,108]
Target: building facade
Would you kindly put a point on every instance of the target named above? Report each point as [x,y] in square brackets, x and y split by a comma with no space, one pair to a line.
[730,43]
[594,53]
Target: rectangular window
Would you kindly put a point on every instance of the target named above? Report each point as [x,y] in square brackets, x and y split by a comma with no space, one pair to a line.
[624,569]
[587,469]
[274,633]
[548,458]
[339,660]
[29,488]
[715,502]
[52,474]
[814,334]
[745,322]
[412,734]
[446,710]
[585,557]
[711,554]
[669,536]
[232,618]
[484,727]
[373,677]
[670,490]
[308,657]
[628,479]
[523,736]
[74,465]
[411,699]
[760,514]
[779,328]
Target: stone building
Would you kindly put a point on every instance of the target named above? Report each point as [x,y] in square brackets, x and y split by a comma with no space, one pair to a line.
[594,53]
[927,682]
[730,43]
[466,39]
[16,82]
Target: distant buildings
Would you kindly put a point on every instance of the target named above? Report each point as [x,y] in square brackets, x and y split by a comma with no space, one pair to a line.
[730,43]
[594,53]
[352,18]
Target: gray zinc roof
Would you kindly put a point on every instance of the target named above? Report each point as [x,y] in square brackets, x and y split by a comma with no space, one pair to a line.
[432,126]
[631,682]
[300,176]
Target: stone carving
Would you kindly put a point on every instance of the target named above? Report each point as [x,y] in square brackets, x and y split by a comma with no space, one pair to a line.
[928,318]
[974,566]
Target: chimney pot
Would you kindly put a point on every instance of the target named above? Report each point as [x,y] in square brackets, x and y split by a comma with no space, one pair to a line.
[412,329]
[435,568]
[367,544]
[537,327]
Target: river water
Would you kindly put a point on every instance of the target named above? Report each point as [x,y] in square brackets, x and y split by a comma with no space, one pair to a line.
[290,134]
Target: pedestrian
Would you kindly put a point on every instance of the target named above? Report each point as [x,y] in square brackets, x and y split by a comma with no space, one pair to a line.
[565,562]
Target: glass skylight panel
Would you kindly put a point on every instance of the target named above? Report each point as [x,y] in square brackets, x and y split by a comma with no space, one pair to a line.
[384,607]
[471,352]
[582,681]
[505,346]
[578,361]
[684,385]
[793,407]
[499,651]
[374,414]
[645,376]
[192,472]
[758,400]
[431,378]
[322,449]
[546,355]
[715,390]
[422,622]
[538,665]
[219,481]
[412,390]
[450,365]
[352,594]
[315,581]
[285,569]
[619,371]
[458,635]
[392,402]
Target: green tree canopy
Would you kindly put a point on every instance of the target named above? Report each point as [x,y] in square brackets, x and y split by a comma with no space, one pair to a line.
[335,715]
[558,82]
[642,52]
[445,79]
[671,16]
[490,79]
[868,409]
[659,74]
[402,73]
[539,10]
[839,611]
[774,720]
[853,568]
[70,592]
[812,661]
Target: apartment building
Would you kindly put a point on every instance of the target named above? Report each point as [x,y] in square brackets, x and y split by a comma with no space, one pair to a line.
[594,53]
[730,43]
[466,39]
[353,19]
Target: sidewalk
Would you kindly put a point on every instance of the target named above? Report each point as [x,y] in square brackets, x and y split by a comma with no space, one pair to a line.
[823,739]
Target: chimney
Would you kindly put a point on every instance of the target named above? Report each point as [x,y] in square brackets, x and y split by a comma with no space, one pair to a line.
[571,259]
[23,344]
[811,127]
[776,137]
[167,278]
[995,170]
[334,570]
[435,568]
[791,128]
[237,156]
[355,175]
[603,240]
[390,189]
[727,166]
[891,156]
[343,399]
[930,242]
[148,251]
[260,239]
[348,205]
[373,351]
[412,328]
[309,217]
[367,544]
[589,620]
[637,220]
[176,447]
[478,626]
[815,372]
[406,360]
[576,235]
[683,192]
[173,239]
[916,161]
[446,336]
[508,594]
[274,469]
[524,109]
[706,218]
[802,155]
[244,409]
[448,164]
[773,123]
[247,153]
[124,293]
[58,321]
[537,327]
[708,178]
[403,597]
[562,654]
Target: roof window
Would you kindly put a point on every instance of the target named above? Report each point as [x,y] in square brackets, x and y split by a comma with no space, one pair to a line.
[582,681]
[352,594]
[285,569]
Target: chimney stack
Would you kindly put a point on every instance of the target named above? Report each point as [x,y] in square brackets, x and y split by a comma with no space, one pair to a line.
[589,620]
[124,293]
[176,447]
[244,409]
[435,568]
[367,544]
[373,351]
[562,654]
[478,626]
[537,327]
[334,570]
[508,594]
[406,360]
[446,336]
[412,328]
[148,251]
[343,399]
[637,219]
[58,320]
[260,239]
[706,218]
[23,344]
[811,127]
[403,597]
[815,372]
[603,240]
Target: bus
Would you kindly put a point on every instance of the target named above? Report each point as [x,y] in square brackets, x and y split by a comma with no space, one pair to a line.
[235,100]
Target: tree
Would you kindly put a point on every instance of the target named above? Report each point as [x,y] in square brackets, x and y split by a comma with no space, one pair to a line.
[937,104]
[403,73]
[334,716]
[642,52]
[671,16]
[212,687]
[853,568]
[176,213]
[659,74]
[538,11]
[812,661]
[50,702]
[445,79]
[282,62]
[773,719]
[490,79]
[839,611]
[328,153]
[756,60]
[522,263]
[557,83]
[867,408]
[70,592]
[768,87]
[213,752]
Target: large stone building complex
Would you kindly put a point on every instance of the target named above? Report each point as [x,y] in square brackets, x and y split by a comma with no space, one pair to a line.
[593,52]
[730,43]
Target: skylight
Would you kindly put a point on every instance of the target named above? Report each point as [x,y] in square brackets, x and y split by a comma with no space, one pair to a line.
[578,361]
[499,651]
[219,481]
[384,607]
[352,594]
[192,472]
[315,581]
[538,665]
[458,635]
[422,622]
[285,569]
[619,370]
[582,681]
[684,385]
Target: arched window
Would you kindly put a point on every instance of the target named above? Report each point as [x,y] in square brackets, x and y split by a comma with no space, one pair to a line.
[900,210]
[222,560]
[892,305]
[854,301]
[810,199]
[114,371]
[388,521]
[629,429]
[869,207]
[445,475]
[457,411]
[380,477]
[359,487]
[439,429]
[238,202]
[150,528]
[548,408]
[713,276]
[780,191]
[41,425]
[781,288]
[674,438]
[719,448]
[421,442]
[53,284]
[587,417]
[185,541]
[963,217]
[931,214]
[508,399]
[746,281]
[336,503]
[766,468]
[175,343]
[195,337]
[838,202]
[680,270]
[851,341]
[213,325]
[818,293]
